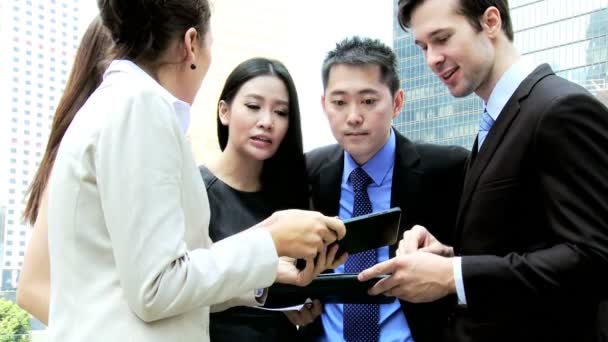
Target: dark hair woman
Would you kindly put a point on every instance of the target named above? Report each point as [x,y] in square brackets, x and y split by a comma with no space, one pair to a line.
[261,169]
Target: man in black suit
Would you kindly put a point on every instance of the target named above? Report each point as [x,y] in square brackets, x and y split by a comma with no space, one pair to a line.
[528,258]
[361,98]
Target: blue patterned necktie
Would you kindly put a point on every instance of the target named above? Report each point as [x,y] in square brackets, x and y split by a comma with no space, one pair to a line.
[361,320]
[484,127]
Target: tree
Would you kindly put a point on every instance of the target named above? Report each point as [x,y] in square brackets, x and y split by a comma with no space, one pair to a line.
[14,323]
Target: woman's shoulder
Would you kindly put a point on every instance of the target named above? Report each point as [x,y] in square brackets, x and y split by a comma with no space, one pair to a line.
[208,177]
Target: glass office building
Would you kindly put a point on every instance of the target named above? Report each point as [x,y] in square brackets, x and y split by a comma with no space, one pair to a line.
[572,36]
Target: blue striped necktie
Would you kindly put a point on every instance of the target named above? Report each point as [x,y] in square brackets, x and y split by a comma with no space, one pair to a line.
[361,320]
[484,127]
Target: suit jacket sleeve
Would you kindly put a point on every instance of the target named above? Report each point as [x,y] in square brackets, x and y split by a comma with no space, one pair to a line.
[571,154]
[139,162]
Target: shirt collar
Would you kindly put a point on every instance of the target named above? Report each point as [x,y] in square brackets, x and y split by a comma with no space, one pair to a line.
[506,87]
[182,108]
[377,167]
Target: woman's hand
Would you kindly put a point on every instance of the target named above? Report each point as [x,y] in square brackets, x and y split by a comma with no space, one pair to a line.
[288,273]
[302,234]
[306,315]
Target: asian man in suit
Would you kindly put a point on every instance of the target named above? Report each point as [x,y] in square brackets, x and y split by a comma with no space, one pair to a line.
[528,258]
[361,98]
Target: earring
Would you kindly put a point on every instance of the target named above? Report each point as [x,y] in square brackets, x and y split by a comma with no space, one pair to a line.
[192,66]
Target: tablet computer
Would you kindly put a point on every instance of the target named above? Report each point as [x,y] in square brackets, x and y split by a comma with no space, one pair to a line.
[366,232]
[371,231]
[328,288]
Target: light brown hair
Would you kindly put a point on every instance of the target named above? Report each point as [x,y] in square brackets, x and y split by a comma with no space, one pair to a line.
[90,63]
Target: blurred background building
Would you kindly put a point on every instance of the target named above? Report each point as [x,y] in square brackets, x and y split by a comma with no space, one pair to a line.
[39,39]
[572,36]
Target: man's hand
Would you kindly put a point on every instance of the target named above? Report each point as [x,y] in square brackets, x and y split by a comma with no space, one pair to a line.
[417,277]
[306,315]
[420,239]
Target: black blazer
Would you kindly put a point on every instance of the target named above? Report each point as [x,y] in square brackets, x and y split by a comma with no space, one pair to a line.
[427,183]
[533,219]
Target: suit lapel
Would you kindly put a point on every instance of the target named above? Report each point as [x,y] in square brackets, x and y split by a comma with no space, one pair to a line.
[330,179]
[407,182]
[479,160]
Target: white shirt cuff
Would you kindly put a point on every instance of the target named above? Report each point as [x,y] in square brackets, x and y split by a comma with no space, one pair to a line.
[457,268]
[260,295]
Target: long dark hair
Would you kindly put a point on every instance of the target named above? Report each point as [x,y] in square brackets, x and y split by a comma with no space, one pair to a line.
[284,174]
[86,75]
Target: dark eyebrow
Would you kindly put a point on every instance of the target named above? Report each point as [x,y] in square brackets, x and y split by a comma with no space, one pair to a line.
[366,91]
[337,92]
[432,34]
[261,98]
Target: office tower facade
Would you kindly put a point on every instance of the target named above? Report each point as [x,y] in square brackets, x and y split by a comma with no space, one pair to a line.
[572,36]
[2,215]
[39,39]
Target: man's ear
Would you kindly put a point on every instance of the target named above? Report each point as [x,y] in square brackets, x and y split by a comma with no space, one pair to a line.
[398,101]
[491,22]
[323,104]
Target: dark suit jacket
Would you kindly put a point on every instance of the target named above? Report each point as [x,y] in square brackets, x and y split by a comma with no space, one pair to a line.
[427,183]
[533,219]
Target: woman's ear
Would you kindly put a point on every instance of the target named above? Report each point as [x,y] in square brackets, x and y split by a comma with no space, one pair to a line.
[224,113]
[191,46]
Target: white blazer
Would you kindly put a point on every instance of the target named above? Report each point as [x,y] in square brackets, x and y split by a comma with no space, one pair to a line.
[131,259]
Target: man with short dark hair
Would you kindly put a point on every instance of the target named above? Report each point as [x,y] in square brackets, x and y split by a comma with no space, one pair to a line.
[372,168]
[529,254]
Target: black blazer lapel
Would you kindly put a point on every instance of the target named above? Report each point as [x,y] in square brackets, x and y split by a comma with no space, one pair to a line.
[330,178]
[407,182]
[480,160]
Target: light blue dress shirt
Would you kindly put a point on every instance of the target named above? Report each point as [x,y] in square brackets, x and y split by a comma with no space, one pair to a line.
[502,92]
[393,325]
